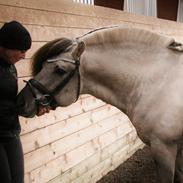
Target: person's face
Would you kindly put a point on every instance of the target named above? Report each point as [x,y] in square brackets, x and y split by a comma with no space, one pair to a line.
[14,56]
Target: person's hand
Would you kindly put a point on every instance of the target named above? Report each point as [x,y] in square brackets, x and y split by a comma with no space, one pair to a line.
[43,110]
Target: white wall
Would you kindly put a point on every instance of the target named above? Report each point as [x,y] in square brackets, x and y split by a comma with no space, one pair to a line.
[144,7]
[180,11]
[85,1]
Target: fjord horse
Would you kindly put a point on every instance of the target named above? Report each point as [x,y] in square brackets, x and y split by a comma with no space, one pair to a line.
[137,71]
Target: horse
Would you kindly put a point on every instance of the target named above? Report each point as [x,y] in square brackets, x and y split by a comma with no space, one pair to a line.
[138,71]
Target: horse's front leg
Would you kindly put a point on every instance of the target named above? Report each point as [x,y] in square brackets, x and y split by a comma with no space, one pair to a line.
[164,155]
[179,167]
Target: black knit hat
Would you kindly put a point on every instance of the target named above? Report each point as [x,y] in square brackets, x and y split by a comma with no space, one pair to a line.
[14,36]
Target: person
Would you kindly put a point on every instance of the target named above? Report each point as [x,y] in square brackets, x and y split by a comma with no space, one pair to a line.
[15,40]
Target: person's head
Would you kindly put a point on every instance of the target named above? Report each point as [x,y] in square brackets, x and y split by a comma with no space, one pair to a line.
[15,40]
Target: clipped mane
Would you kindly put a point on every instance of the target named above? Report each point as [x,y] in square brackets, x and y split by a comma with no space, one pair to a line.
[120,34]
[49,50]
[113,34]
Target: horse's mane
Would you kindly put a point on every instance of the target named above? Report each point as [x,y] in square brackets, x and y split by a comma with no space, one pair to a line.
[49,50]
[103,35]
[119,34]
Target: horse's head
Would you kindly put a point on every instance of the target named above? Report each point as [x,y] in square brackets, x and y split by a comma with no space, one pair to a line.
[56,77]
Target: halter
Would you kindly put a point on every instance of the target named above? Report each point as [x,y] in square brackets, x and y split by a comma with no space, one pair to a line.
[48,98]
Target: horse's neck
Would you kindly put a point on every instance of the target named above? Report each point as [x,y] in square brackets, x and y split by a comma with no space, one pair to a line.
[115,74]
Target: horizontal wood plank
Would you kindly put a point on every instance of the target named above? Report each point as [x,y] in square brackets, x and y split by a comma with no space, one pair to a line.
[37,139]
[62,146]
[71,159]
[90,11]
[62,113]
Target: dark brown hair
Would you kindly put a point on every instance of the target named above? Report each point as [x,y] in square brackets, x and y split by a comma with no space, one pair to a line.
[47,51]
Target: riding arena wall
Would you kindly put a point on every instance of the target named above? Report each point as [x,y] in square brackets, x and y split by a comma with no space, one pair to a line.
[82,142]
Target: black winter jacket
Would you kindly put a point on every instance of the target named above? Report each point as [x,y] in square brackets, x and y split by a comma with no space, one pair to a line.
[9,122]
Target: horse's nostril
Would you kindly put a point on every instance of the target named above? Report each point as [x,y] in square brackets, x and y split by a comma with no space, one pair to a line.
[20,103]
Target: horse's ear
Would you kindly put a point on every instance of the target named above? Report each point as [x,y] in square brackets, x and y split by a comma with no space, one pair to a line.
[78,50]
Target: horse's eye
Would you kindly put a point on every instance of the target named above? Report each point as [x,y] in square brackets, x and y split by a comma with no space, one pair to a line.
[60,70]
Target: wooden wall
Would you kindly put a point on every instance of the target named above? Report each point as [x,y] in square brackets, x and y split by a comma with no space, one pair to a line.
[167,9]
[116,4]
[80,143]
